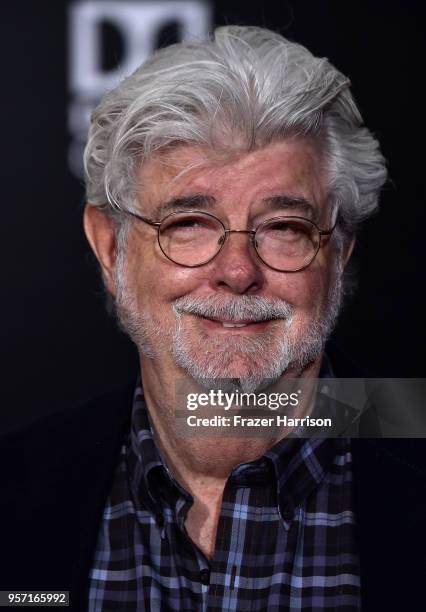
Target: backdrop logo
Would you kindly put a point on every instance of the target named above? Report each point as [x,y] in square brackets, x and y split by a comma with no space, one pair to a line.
[137,25]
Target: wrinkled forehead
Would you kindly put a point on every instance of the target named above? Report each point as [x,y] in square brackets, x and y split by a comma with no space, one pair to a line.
[289,171]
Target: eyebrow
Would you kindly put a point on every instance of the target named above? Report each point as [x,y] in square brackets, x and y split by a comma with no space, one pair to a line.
[199,201]
[292,202]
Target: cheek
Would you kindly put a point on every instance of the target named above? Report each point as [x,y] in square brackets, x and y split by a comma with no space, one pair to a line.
[306,290]
[158,281]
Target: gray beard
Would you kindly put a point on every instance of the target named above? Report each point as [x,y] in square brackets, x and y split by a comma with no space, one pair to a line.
[265,356]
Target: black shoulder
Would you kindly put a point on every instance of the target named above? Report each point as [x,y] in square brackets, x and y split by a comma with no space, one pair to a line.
[55,475]
[66,437]
[343,365]
[390,507]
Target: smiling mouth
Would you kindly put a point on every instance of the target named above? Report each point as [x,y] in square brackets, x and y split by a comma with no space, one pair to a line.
[234,324]
[249,325]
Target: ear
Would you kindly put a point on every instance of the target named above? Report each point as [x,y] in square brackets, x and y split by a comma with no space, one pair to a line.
[100,233]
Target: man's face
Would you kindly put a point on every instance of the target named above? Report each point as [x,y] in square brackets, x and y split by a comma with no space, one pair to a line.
[233,317]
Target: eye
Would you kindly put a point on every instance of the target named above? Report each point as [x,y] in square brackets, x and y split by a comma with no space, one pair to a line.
[186,228]
[286,229]
[183,223]
[281,226]
[189,220]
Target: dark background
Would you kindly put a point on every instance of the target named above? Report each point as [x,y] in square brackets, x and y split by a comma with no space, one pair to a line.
[59,345]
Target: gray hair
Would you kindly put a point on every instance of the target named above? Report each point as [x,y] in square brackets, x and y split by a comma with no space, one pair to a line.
[243,89]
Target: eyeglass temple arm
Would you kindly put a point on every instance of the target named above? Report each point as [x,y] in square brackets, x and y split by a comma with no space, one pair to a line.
[144,219]
[330,231]
[335,215]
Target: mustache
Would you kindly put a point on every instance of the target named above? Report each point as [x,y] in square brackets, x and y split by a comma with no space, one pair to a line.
[233,307]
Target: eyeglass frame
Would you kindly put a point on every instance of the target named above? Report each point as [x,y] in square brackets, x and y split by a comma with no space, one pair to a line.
[226,231]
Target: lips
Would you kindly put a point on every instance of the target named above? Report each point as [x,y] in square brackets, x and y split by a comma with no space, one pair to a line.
[233,324]
[246,324]
[230,324]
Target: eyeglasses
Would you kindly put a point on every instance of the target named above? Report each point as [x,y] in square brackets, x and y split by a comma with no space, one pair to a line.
[193,238]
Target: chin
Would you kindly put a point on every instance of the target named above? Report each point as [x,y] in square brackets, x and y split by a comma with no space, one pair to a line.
[247,362]
[250,361]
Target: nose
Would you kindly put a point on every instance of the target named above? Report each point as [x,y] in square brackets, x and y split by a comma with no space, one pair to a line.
[237,269]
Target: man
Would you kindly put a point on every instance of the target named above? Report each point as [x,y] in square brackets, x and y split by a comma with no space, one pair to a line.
[225,183]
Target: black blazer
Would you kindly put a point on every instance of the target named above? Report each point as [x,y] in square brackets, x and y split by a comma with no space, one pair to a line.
[56,474]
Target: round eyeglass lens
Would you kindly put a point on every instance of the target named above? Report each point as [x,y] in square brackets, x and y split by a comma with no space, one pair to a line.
[191,239]
[287,243]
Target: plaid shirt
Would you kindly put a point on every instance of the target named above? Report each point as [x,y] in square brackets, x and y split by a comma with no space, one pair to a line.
[285,538]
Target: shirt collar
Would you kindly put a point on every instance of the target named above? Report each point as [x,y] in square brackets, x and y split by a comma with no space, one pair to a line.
[300,466]
[150,480]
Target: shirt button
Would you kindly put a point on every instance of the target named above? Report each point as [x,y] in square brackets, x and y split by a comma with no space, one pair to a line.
[205,576]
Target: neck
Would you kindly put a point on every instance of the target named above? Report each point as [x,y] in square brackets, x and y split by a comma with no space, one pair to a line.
[199,461]
[201,465]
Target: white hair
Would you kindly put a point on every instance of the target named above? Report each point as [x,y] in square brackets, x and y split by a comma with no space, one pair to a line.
[243,89]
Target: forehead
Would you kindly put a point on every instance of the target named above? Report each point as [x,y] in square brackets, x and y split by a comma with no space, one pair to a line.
[292,168]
